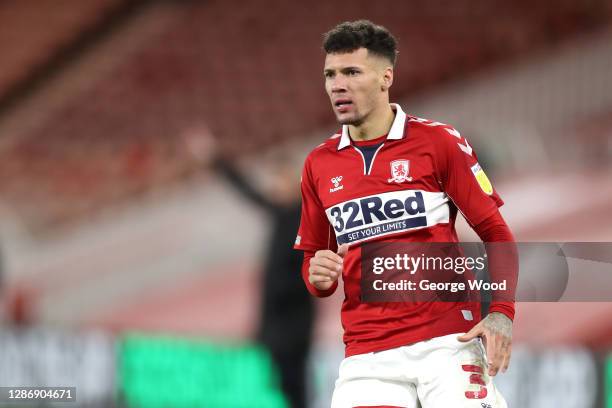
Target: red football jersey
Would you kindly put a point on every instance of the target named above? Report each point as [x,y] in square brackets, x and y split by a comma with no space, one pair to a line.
[421,175]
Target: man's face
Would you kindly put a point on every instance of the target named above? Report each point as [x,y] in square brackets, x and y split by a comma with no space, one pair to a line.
[357,84]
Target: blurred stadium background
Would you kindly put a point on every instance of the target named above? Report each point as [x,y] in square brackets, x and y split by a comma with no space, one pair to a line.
[131,271]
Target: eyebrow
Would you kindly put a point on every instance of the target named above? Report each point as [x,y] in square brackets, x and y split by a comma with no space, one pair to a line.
[344,69]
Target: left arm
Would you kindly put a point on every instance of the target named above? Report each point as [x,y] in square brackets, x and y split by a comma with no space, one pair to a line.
[466,183]
[496,327]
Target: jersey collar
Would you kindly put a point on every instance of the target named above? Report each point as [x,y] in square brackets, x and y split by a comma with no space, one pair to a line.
[396,132]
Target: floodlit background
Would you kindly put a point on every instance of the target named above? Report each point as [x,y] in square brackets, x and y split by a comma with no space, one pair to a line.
[131,269]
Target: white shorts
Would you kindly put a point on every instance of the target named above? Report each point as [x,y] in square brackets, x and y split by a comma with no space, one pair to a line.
[438,373]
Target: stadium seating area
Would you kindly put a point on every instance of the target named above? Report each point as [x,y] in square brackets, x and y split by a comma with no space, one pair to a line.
[595,139]
[254,83]
[31,31]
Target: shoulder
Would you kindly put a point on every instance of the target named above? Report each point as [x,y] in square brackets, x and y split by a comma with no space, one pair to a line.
[441,135]
[432,128]
[324,150]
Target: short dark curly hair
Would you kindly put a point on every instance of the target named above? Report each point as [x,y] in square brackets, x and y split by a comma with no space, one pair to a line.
[352,35]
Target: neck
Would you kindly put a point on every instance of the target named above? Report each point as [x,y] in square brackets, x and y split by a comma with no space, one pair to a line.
[377,124]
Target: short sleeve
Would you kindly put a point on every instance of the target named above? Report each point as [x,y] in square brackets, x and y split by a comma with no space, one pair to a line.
[463,179]
[314,232]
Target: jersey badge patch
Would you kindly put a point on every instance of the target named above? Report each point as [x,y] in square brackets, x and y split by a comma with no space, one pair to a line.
[399,171]
[483,180]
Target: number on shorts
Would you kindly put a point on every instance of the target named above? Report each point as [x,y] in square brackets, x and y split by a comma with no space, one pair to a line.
[476,379]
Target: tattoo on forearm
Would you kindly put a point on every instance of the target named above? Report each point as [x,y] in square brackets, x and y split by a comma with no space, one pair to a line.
[499,323]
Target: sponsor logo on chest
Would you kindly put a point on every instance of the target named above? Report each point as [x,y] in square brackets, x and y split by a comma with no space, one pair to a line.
[386,213]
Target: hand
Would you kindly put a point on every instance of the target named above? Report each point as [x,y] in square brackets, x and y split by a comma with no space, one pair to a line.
[326,267]
[200,144]
[496,329]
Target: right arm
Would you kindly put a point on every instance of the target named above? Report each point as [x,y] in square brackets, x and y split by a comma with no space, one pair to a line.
[200,144]
[321,266]
[241,184]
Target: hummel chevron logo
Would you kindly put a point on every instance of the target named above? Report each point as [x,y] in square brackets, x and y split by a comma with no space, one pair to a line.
[465,148]
[336,182]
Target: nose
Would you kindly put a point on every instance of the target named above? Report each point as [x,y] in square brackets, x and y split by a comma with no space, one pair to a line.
[338,84]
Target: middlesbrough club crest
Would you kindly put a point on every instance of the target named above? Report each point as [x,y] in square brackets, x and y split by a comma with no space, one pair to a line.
[399,171]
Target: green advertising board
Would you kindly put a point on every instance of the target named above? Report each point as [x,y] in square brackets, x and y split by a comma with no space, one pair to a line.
[180,373]
[608,382]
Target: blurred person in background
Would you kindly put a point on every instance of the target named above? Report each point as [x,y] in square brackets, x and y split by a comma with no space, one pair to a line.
[2,296]
[287,310]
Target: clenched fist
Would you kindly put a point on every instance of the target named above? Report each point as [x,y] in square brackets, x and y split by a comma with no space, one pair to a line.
[326,267]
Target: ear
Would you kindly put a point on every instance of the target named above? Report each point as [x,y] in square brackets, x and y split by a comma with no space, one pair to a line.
[387,79]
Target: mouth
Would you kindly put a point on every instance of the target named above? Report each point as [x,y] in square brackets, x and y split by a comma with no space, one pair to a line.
[343,104]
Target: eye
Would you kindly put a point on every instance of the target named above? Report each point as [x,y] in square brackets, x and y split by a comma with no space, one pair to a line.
[352,72]
[328,74]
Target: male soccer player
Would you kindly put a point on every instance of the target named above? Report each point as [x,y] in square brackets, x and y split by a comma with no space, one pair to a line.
[397,354]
